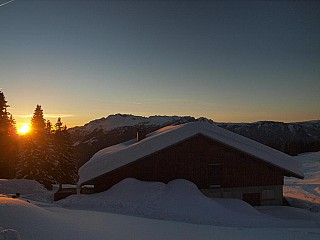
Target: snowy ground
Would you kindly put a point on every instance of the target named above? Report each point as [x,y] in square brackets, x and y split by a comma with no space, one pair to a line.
[142,210]
[305,193]
[33,222]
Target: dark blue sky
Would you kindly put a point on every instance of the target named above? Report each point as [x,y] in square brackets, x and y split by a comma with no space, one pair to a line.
[229,61]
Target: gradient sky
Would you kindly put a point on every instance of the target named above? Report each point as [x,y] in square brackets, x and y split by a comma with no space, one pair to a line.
[228,61]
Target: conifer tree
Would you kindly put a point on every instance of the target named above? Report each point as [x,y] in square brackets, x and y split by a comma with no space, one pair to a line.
[49,126]
[8,140]
[4,115]
[38,122]
[12,127]
[37,158]
[66,171]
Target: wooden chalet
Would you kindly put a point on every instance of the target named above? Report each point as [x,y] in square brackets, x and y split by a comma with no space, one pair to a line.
[219,162]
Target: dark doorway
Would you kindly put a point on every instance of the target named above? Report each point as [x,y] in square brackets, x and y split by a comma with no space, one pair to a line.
[214,175]
[253,199]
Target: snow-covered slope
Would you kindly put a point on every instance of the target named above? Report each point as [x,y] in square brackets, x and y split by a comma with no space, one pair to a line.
[299,130]
[291,138]
[305,192]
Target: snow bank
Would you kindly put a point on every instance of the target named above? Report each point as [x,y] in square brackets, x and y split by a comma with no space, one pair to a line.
[33,222]
[179,200]
[28,189]
[17,214]
[305,193]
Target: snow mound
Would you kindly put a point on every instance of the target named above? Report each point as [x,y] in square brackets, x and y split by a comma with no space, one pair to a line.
[28,189]
[9,234]
[33,222]
[18,207]
[179,200]
[16,214]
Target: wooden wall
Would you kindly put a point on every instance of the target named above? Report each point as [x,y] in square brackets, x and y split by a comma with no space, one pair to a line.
[197,159]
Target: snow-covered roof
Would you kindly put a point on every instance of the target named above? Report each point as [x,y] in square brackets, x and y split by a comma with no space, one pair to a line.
[122,154]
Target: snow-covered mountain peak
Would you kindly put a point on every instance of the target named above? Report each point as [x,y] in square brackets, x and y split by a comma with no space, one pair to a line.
[124,120]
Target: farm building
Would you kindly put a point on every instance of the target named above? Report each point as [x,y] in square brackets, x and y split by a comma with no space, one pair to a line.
[219,162]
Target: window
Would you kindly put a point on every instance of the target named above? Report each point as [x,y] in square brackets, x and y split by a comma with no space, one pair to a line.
[214,175]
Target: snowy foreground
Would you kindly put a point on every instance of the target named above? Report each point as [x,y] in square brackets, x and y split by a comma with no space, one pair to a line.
[134,209]
[305,193]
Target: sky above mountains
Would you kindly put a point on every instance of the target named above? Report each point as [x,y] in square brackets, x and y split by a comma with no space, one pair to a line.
[225,60]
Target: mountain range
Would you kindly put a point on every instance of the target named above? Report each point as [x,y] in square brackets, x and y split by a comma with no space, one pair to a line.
[291,138]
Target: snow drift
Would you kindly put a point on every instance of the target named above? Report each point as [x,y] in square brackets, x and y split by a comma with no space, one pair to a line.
[179,200]
[28,189]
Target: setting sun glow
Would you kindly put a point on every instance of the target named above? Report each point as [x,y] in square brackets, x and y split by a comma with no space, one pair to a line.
[24,129]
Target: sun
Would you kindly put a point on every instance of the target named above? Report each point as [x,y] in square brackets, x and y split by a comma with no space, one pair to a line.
[24,129]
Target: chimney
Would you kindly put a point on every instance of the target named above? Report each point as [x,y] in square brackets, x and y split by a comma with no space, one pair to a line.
[141,134]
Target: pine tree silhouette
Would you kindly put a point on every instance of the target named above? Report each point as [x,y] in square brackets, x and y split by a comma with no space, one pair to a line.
[8,140]
[66,171]
[37,157]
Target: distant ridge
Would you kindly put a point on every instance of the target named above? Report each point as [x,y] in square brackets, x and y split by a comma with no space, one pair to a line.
[125,120]
[291,138]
